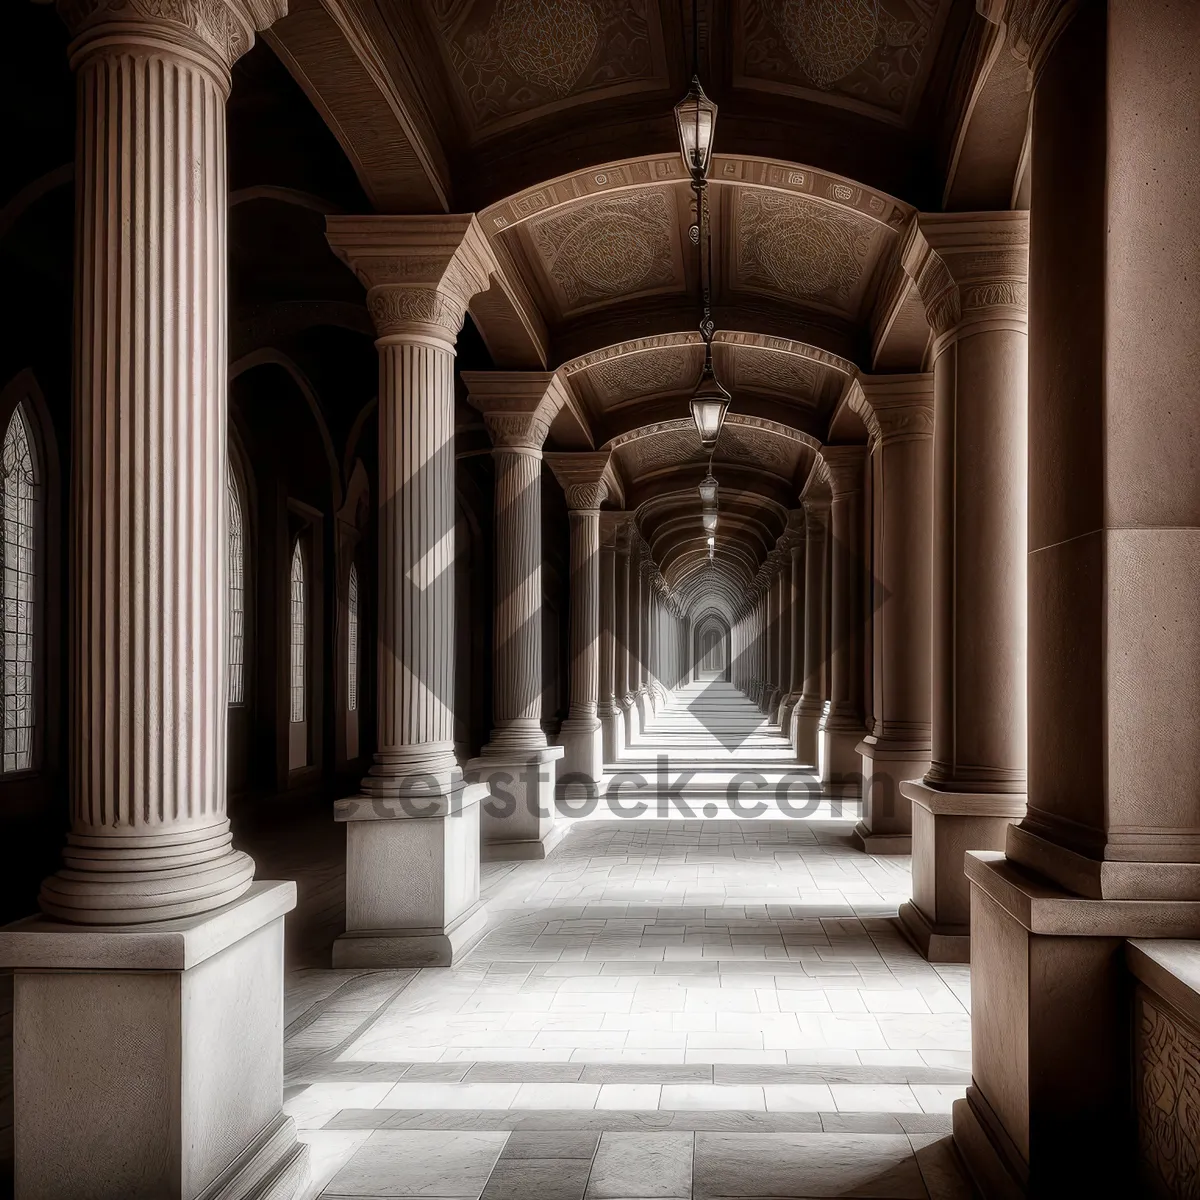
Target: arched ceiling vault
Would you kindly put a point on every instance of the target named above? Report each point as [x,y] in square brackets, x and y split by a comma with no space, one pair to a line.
[552,122]
[451,104]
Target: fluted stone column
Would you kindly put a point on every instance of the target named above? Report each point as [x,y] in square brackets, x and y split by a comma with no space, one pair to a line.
[795,569]
[1083,1078]
[645,707]
[841,726]
[772,615]
[627,560]
[415,818]
[517,764]
[154,982]
[898,412]
[587,481]
[971,271]
[806,716]
[611,637]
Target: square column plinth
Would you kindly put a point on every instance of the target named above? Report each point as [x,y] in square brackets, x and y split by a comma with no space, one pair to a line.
[583,745]
[412,879]
[886,825]
[945,826]
[517,818]
[148,1059]
[1047,1113]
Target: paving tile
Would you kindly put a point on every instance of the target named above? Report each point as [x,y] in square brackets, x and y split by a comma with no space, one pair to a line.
[642,1164]
[805,1165]
[554,1143]
[435,1163]
[547,1179]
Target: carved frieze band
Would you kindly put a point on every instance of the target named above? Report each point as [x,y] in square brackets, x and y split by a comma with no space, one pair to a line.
[525,432]
[396,310]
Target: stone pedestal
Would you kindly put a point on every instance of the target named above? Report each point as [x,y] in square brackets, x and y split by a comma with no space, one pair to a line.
[898,413]
[518,818]
[806,716]
[886,825]
[442,262]
[945,826]
[412,877]
[148,1059]
[971,271]
[1047,1113]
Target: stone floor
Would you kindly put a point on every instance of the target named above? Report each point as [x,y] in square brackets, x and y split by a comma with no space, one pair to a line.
[665,1008]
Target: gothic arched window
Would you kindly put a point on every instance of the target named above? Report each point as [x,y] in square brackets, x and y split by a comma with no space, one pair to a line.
[20,518]
[352,641]
[299,627]
[237,591]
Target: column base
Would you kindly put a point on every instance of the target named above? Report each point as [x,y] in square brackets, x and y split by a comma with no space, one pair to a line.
[948,944]
[629,720]
[880,843]
[517,813]
[838,759]
[412,880]
[582,742]
[1102,879]
[644,710]
[886,827]
[433,947]
[805,731]
[1051,1033]
[945,826]
[612,732]
[192,1011]
[533,850]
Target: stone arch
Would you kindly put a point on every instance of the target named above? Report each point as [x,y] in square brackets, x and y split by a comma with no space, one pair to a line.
[711,647]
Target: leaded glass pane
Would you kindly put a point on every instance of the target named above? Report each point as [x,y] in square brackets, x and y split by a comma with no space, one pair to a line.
[19,516]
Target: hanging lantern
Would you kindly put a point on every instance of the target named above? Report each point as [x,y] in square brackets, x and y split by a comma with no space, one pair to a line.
[696,122]
[709,403]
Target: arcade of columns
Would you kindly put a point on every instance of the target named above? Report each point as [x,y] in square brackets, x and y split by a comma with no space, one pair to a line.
[1063,525]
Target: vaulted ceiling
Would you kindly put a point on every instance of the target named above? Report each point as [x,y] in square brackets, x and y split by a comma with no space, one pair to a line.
[552,121]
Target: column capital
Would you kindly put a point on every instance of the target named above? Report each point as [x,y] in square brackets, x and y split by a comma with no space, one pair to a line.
[844,467]
[971,271]
[587,479]
[518,407]
[420,272]
[894,408]
[223,29]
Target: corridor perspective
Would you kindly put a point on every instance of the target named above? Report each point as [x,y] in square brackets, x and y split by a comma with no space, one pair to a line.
[600,599]
[684,1007]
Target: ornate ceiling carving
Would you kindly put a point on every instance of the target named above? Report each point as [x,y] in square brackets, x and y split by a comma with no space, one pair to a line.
[514,59]
[615,247]
[800,248]
[774,371]
[872,56]
[669,370]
